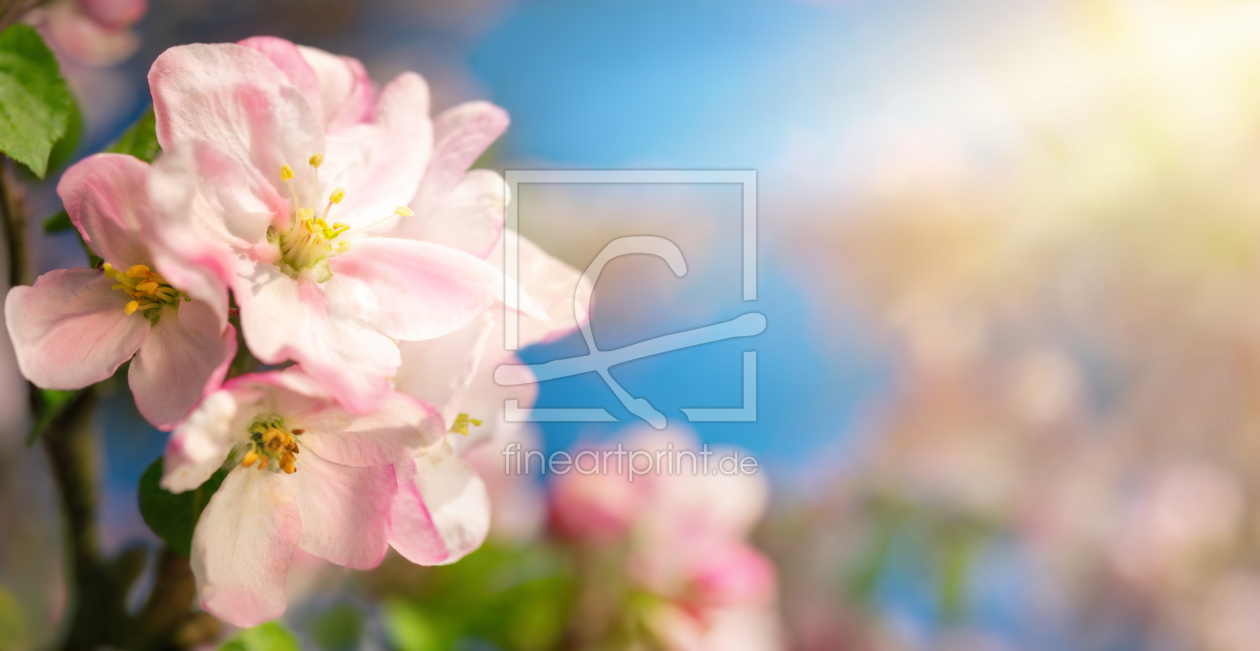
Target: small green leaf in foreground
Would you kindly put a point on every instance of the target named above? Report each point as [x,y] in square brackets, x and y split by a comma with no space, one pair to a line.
[174,516]
[34,103]
[51,403]
[272,636]
[140,140]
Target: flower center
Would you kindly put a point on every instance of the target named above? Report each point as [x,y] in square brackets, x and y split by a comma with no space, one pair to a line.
[462,421]
[149,292]
[270,440]
[309,240]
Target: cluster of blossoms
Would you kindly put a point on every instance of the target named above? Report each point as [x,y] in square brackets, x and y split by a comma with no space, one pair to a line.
[92,32]
[665,556]
[340,229]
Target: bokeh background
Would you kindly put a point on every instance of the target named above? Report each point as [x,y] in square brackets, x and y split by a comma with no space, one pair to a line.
[1009,258]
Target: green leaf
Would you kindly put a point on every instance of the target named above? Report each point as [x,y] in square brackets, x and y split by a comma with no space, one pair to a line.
[173,516]
[516,599]
[51,404]
[34,103]
[338,628]
[12,623]
[65,145]
[410,629]
[272,636]
[958,544]
[140,140]
[58,222]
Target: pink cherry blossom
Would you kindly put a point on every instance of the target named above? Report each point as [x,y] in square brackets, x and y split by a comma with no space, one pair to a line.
[683,535]
[281,190]
[305,473]
[92,32]
[443,512]
[75,327]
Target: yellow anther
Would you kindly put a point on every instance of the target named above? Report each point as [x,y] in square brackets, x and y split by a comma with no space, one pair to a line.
[148,287]
[304,214]
[138,271]
[337,195]
[333,231]
[315,160]
[286,173]
[274,439]
[250,458]
[403,211]
[131,307]
[460,425]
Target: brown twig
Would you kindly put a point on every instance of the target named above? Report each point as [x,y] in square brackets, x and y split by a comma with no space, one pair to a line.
[70,447]
[13,203]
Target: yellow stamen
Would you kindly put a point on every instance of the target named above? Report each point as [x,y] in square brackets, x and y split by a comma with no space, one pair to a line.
[250,458]
[316,160]
[403,211]
[274,439]
[460,425]
[286,173]
[138,271]
[148,287]
[131,307]
[337,195]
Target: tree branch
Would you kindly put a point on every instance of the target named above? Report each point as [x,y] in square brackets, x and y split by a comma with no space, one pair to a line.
[70,447]
[13,203]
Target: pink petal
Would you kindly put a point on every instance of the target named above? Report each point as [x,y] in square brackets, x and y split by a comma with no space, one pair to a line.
[412,532]
[484,399]
[345,88]
[462,134]
[287,391]
[243,544]
[733,574]
[409,290]
[438,371]
[70,330]
[379,164]
[456,499]
[77,36]
[238,100]
[345,510]
[114,14]
[176,366]
[394,432]
[105,196]
[471,218]
[283,318]
[286,56]
[209,210]
[201,444]
[552,286]
[597,507]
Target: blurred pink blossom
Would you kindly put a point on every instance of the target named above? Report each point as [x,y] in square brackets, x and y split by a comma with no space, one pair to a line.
[91,32]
